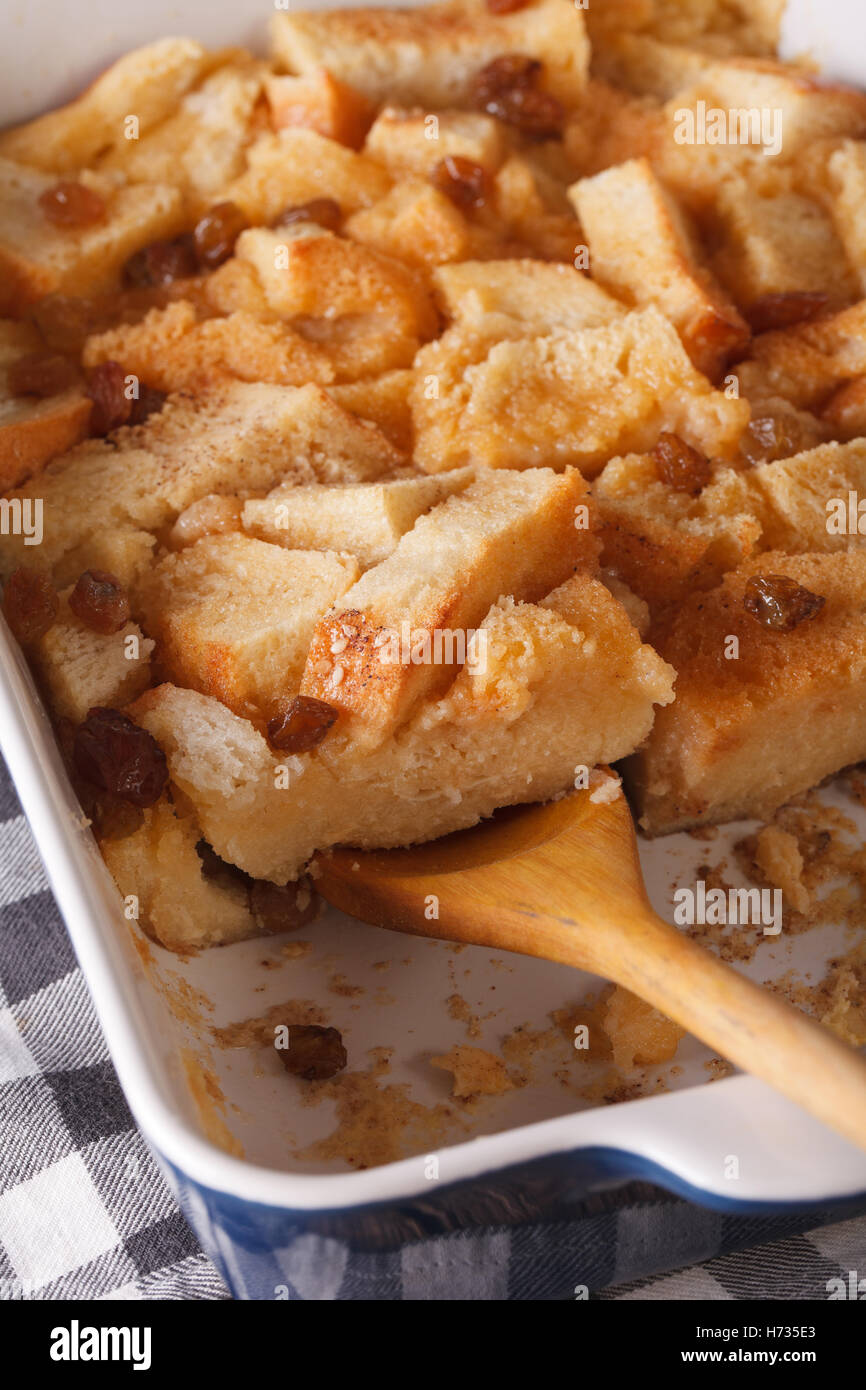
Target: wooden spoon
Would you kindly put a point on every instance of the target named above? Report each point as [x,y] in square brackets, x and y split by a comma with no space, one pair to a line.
[562,881]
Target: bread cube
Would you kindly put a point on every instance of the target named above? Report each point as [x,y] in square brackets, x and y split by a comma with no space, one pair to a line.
[33,430]
[233,617]
[574,397]
[409,142]
[80,668]
[240,439]
[807,364]
[430,56]
[642,250]
[320,102]
[124,551]
[177,905]
[173,350]
[778,244]
[228,774]
[147,83]
[384,401]
[370,311]
[365,519]
[563,686]
[295,165]
[417,224]
[666,544]
[845,412]
[200,146]
[537,298]
[846,171]
[38,258]
[245,438]
[733,744]
[744,26]
[533,205]
[803,502]
[518,534]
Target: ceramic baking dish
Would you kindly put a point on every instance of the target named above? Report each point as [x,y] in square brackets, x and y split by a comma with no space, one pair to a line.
[248,1161]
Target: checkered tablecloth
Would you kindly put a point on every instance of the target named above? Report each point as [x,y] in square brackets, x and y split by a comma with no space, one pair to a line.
[84,1212]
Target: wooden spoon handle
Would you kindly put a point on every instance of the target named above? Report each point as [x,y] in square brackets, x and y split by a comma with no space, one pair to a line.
[758,1031]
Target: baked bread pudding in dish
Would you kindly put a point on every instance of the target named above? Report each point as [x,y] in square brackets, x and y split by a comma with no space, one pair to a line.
[400,425]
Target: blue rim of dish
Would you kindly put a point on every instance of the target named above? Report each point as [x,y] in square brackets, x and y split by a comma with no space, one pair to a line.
[542,1189]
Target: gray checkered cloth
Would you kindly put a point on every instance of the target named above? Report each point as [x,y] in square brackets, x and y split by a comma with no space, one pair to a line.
[85,1213]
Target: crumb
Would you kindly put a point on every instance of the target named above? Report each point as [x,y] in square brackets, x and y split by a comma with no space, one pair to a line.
[778,855]
[605,786]
[259,1031]
[460,1010]
[338,984]
[295,949]
[475,1072]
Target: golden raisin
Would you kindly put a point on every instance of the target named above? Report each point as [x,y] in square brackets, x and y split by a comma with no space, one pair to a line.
[325,212]
[278,909]
[461,180]
[41,374]
[679,465]
[507,88]
[216,232]
[161,263]
[70,204]
[779,602]
[99,601]
[313,1053]
[106,387]
[115,755]
[504,74]
[775,311]
[302,725]
[30,604]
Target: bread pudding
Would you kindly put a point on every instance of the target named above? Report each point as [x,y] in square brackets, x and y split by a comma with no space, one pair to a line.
[401,423]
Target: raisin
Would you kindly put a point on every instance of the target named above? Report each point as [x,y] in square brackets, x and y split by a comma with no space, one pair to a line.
[325,212]
[774,311]
[679,465]
[98,600]
[148,402]
[461,180]
[70,204]
[779,602]
[41,374]
[505,6]
[213,867]
[30,604]
[301,726]
[120,758]
[160,264]
[771,437]
[111,818]
[215,234]
[504,74]
[507,88]
[278,909]
[106,387]
[534,113]
[313,1053]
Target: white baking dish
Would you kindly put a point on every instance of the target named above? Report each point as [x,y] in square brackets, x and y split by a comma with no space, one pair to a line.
[247,1210]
